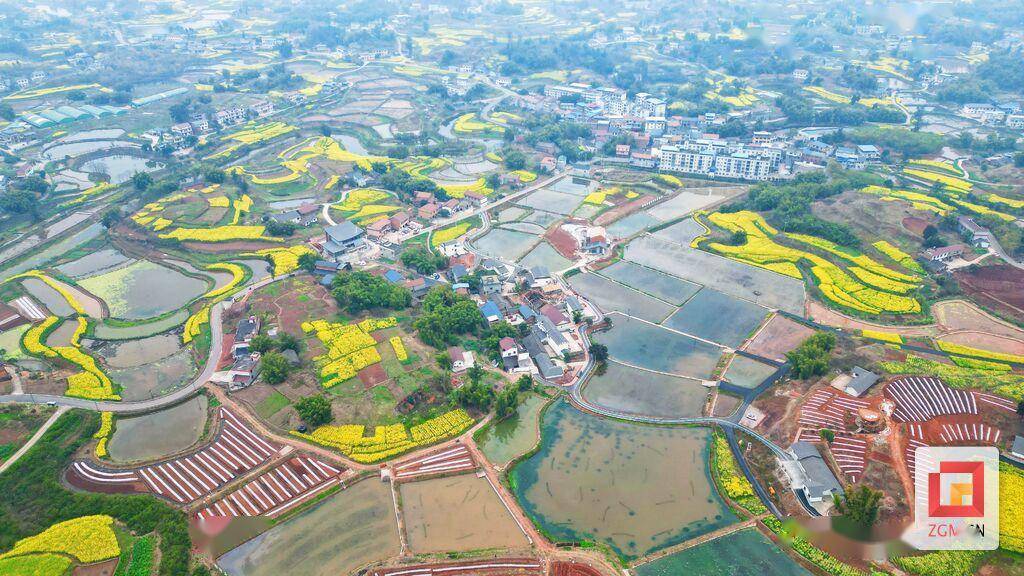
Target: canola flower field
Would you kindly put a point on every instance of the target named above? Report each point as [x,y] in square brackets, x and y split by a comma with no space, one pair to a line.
[388,441]
[350,348]
[863,286]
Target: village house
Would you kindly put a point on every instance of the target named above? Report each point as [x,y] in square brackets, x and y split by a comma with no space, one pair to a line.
[944,253]
[305,215]
[428,211]
[462,360]
[378,228]
[979,236]
[341,239]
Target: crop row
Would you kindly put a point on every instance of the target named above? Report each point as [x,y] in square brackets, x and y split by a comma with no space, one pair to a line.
[286,260]
[399,348]
[961,350]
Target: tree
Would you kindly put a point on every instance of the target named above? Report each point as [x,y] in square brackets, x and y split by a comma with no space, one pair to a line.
[599,352]
[524,383]
[811,358]
[1020,408]
[827,435]
[213,176]
[506,401]
[446,315]
[307,261]
[110,218]
[274,368]
[420,259]
[358,291]
[275,228]
[284,49]
[314,410]
[859,504]
[443,360]
[141,181]
[286,341]
[261,343]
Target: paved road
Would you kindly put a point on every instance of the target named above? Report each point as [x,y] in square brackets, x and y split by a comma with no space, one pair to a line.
[491,205]
[152,404]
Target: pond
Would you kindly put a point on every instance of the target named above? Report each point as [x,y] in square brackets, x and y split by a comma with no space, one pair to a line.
[545,255]
[155,379]
[75,149]
[625,389]
[636,488]
[49,297]
[650,281]
[352,144]
[648,346]
[120,167]
[515,435]
[505,244]
[347,530]
[160,434]
[144,289]
[743,553]
[39,259]
[98,134]
[718,317]
[95,263]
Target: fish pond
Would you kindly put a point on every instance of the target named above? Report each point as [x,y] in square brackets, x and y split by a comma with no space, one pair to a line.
[743,553]
[515,435]
[636,488]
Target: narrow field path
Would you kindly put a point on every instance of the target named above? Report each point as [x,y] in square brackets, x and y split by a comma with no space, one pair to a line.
[35,438]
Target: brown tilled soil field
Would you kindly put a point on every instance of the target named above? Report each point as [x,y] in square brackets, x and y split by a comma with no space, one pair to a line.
[777,337]
[1000,287]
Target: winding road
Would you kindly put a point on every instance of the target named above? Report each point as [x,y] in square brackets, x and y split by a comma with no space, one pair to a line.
[153,404]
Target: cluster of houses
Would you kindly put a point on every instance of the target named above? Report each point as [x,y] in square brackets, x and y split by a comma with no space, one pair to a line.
[198,123]
[1009,114]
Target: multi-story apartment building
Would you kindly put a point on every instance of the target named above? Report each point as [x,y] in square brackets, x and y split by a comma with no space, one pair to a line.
[709,158]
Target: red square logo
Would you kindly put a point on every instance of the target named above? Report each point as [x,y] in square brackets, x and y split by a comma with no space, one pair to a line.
[957,490]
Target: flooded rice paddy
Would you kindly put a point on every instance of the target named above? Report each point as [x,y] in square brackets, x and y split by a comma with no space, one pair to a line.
[350,529]
[660,285]
[506,244]
[158,434]
[143,290]
[718,317]
[645,345]
[611,296]
[457,514]
[515,435]
[747,373]
[95,263]
[625,389]
[636,488]
[545,255]
[630,225]
[754,284]
[551,201]
[682,233]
